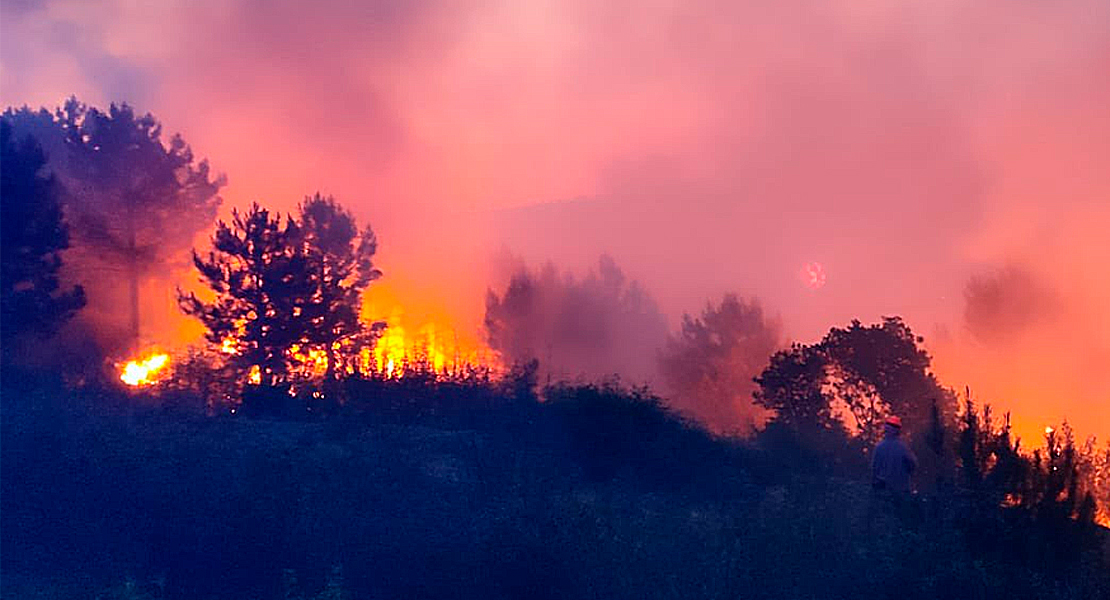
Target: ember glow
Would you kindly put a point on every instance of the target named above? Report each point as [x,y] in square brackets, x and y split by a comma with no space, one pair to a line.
[143,372]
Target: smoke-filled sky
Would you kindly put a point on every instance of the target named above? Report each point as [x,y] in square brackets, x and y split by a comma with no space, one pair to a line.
[708,146]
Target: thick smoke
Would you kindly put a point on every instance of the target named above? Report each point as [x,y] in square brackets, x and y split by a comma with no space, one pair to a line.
[597,327]
[705,145]
[1002,305]
[708,367]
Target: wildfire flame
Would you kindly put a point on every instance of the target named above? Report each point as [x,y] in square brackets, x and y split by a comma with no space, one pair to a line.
[400,349]
[421,334]
[145,371]
[429,349]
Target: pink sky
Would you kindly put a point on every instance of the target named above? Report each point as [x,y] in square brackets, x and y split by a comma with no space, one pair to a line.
[708,146]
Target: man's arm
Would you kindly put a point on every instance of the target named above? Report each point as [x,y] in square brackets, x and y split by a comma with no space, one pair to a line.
[910,460]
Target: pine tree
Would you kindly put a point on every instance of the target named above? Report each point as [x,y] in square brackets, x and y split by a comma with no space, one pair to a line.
[340,267]
[284,286]
[135,201]
[33,238]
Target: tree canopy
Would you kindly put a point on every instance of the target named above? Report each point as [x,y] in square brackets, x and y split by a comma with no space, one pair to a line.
[857,375]
[285,287]
[33,238]
[135,202]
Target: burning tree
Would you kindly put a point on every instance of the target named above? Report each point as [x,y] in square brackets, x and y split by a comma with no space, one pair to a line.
[33,238]
[339,260]
[287,291]
[135,202]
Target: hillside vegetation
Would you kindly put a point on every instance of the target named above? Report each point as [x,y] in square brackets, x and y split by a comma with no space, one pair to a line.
[475,490]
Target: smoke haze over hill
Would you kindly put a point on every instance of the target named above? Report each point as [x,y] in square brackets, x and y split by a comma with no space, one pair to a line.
[706,146]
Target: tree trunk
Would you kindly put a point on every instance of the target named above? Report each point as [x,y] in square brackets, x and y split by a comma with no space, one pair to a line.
[330,354]
[133,276]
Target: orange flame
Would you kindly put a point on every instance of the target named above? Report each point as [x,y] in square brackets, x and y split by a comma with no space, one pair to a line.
[144,372]
[433,347]
[421,334]
[428,349]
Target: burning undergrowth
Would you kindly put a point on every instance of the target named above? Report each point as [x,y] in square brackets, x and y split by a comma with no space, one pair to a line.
[285,305]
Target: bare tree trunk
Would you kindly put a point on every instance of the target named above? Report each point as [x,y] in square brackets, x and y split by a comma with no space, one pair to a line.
[329,353]
[133,276]
[329,346]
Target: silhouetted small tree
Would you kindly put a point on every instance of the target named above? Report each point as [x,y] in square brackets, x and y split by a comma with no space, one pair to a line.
[939,462]
[31,244]
[972,453]
[286,286]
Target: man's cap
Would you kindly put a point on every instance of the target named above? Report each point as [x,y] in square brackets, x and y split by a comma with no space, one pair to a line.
[894,421]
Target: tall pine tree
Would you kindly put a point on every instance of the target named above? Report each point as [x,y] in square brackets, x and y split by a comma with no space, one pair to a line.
[135,201]
[33,238]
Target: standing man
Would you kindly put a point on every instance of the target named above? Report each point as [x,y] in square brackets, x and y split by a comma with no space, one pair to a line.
[893,462]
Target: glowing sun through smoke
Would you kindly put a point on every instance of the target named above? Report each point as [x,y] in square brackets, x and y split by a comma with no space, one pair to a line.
[813,275]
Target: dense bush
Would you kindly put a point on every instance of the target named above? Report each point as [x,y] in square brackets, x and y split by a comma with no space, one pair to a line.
[477,490]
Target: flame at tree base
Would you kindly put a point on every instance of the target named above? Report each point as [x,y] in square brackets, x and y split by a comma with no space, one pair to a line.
[414,337]
[144,372]
[397,352]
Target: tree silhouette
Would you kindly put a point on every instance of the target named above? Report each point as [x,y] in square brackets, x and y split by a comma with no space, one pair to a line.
[708,368]
[340,267]
[792,386]
[878,370]
[284,287]
[135,202]
[33,237]
[867,372]
[1050,495]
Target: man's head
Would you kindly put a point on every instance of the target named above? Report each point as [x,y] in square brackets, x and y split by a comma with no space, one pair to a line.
[892,426]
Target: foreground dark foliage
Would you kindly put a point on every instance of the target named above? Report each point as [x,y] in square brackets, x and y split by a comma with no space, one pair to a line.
[469,490]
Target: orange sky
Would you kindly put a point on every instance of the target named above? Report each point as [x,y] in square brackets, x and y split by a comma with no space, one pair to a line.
[708,145]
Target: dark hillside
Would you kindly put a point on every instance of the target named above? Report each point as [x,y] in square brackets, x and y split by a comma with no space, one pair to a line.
[595,493]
